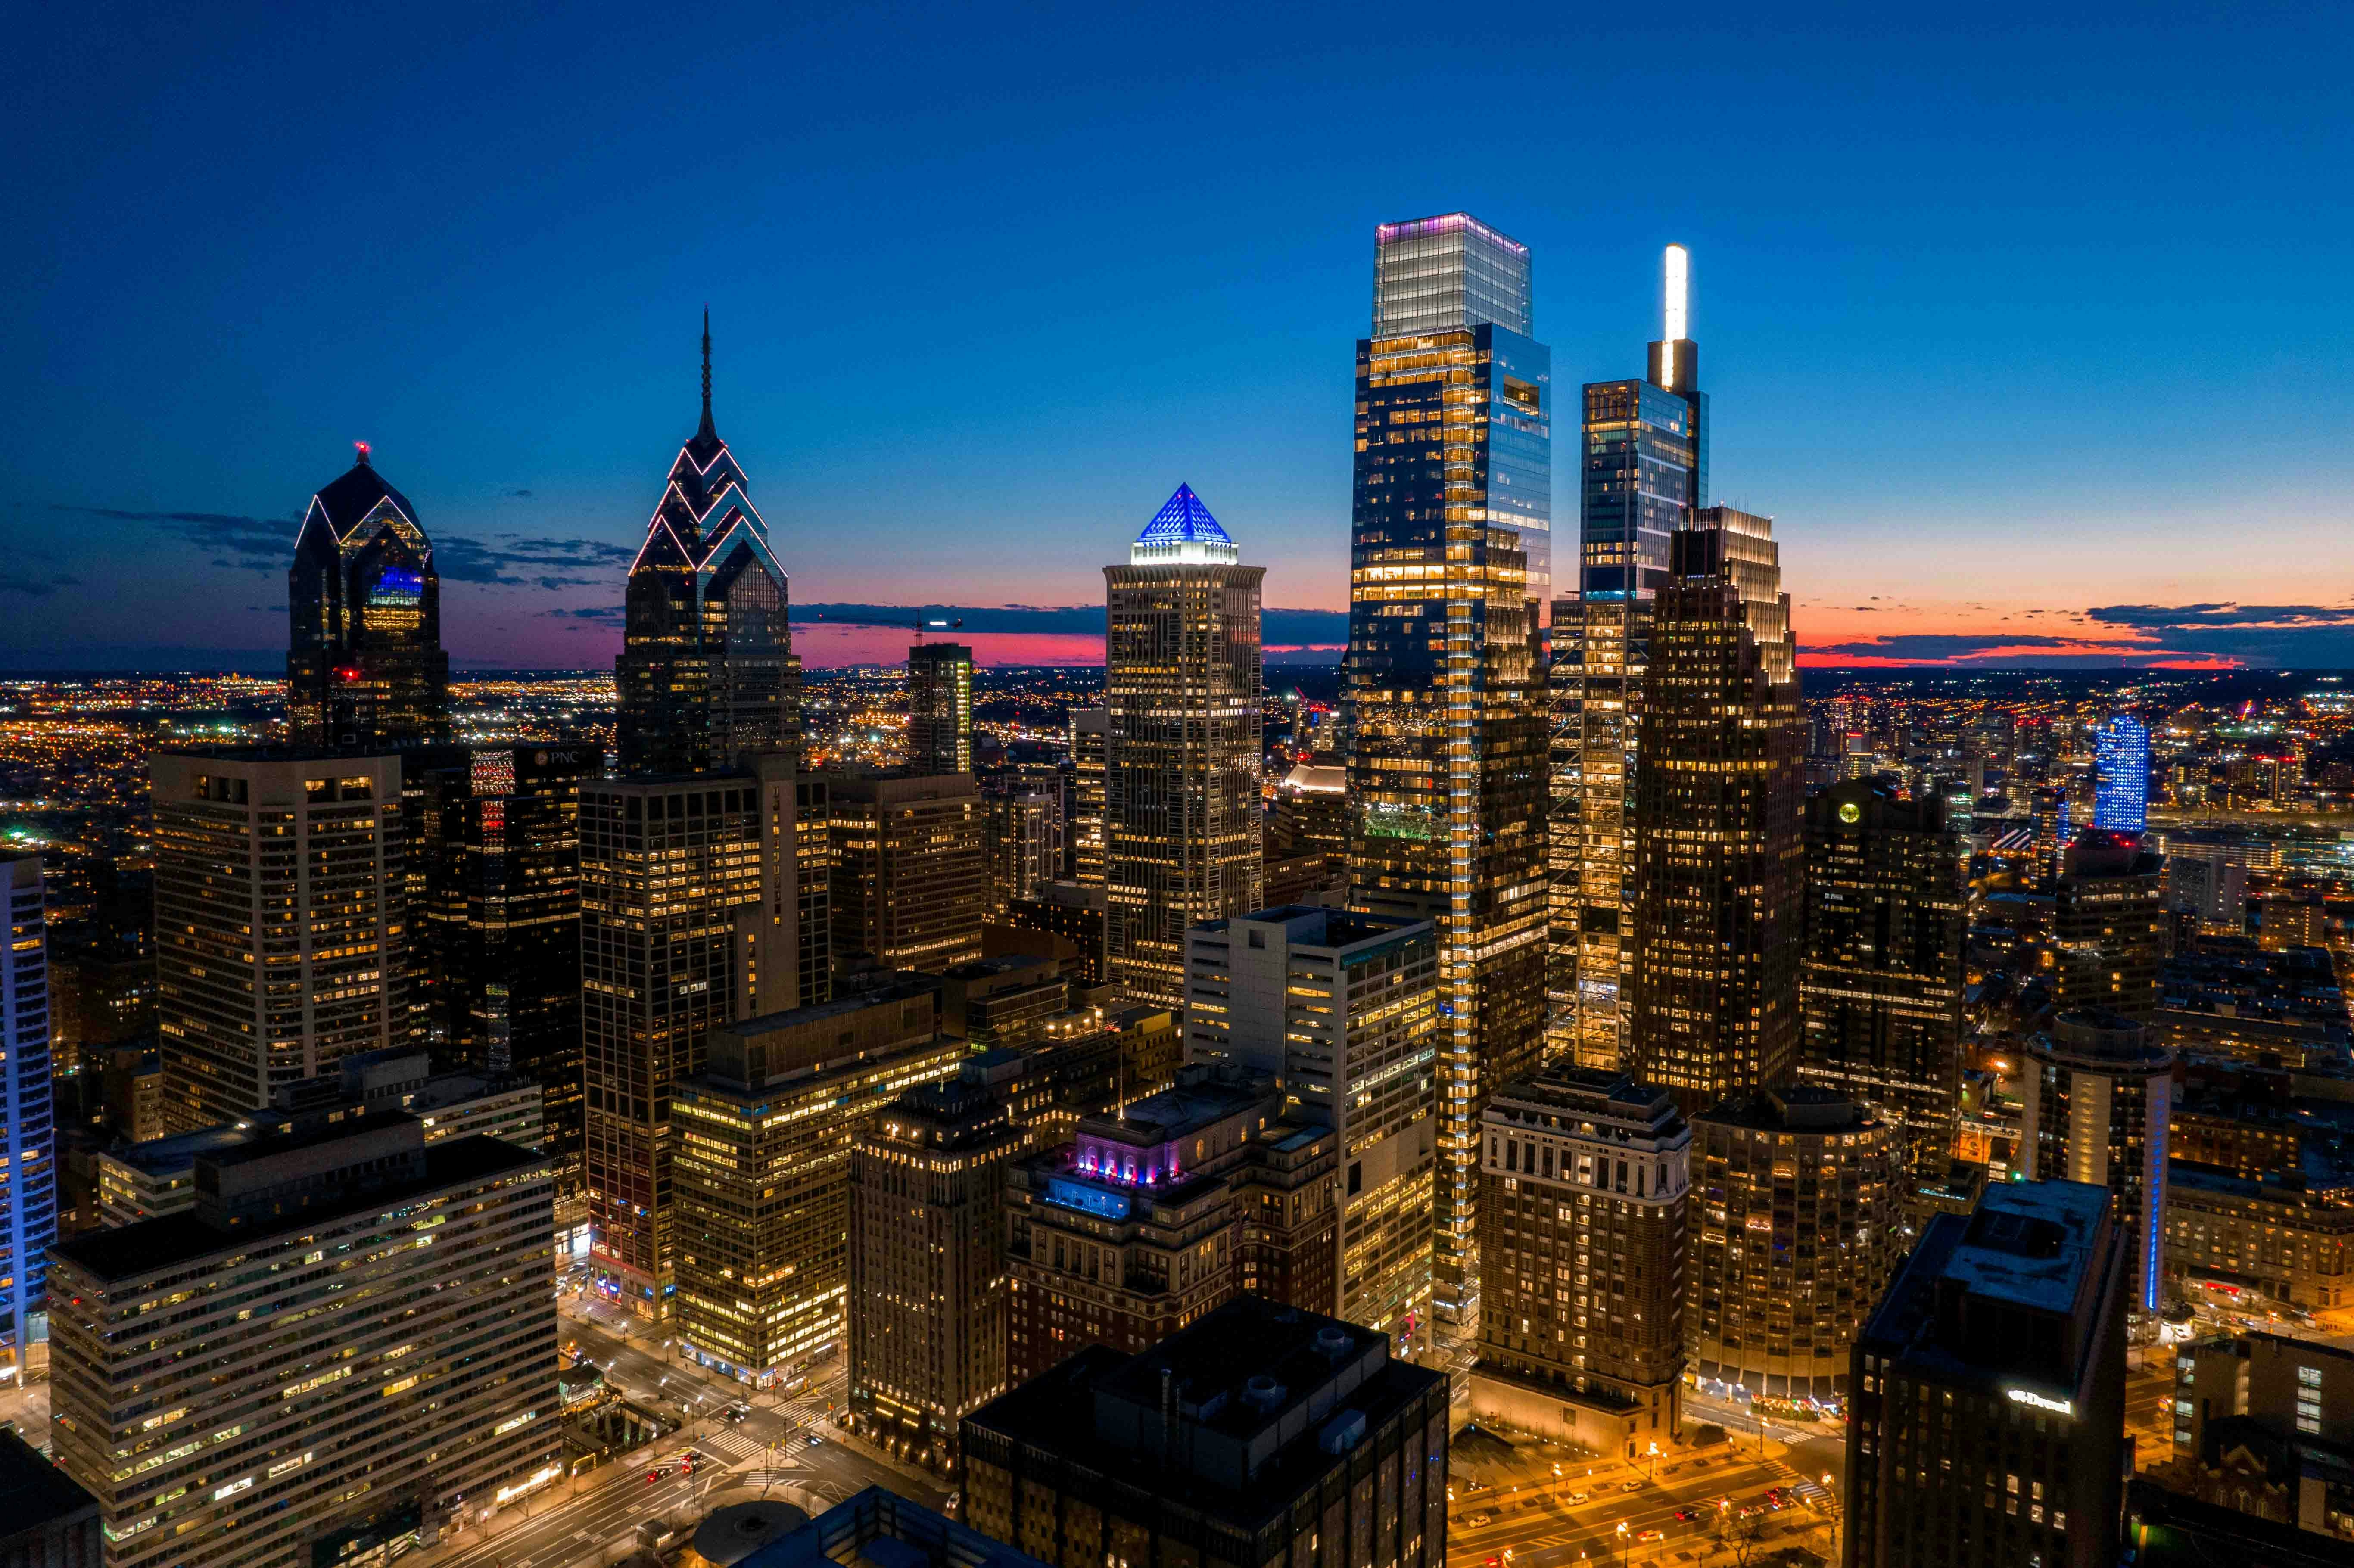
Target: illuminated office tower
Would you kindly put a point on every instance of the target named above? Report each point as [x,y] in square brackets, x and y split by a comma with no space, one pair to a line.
[670,868]
[365,667]
[2121,767]
[1341,1011]
[2109,924]
[707,672]
[1450,553]
[282,909]
[498,930]
[1719,860]
[1023,827]
[29,1203]
[1644,469]
[1879,988]
[1090,727]
[309,1381]
[910,873]
[2099,1104]
[940,707]
[1181,686]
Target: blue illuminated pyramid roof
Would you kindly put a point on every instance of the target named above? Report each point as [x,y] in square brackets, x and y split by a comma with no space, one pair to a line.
[1183,520]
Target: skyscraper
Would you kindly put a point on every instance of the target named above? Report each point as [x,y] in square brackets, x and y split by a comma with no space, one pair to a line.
[940,707]
[669,886]
[365,667]
[1585,1202]
[1718,856]
[499,927]
[1090,728]
[2121,773]
[910,875]
[1182,689]
[1880,987]
[1449,556]
[2098,1100]
[1644,470]
[2109,924]
[1342,1010]
[707,672]
[29,1201]
[282,909]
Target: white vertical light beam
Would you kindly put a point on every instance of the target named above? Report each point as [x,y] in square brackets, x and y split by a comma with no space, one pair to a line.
[1678,294]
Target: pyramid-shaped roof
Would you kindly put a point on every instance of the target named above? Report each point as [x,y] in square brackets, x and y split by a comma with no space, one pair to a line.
[346,501]
[1183,519]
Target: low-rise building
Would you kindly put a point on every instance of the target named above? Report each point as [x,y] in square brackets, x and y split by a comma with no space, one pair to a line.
[2256,1242]
[45,1520]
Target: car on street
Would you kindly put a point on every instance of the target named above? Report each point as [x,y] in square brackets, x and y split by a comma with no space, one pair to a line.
[1632,1484]
[1578,1497]
[1480,1519]
[1687,1515]
[1655,1533]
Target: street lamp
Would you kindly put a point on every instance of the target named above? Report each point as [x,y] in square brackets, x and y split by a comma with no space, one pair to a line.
[1652,1461]
[1622,1543]
[1835,1516]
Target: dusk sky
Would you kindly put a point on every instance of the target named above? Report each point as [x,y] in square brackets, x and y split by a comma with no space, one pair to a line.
[2030,336]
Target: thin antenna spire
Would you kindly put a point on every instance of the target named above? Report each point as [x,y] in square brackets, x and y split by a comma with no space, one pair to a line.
[707,432]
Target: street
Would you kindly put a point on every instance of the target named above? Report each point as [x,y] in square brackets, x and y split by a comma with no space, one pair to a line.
[786,1449]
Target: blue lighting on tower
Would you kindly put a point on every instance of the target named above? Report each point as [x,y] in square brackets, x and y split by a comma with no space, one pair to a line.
[2121,776]
[1183,519]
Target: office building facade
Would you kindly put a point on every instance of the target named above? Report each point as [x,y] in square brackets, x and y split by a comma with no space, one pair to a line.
[1989,1390]
[2109,924]
[1090,735]
[1022,828]
[928,1282]
[1182,690]
[365,666]
[1794,1212]
[28,1197]
[670,884]
[1719,858]
[2121,776]
[1585,1211]
[2097,1101]
[910,876]
[1260,1433]
[940,707]
[762,1170]
[707,672]
[1162,1209]
[1879,988]
[220,1418]
[1342,1012]
[281,921]
[499,927]
[1642,471]
[1450,553]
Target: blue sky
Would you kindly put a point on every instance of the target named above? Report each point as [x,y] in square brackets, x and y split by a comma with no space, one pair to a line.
[2004,319]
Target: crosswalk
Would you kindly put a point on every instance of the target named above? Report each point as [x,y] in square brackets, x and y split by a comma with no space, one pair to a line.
[730,1443]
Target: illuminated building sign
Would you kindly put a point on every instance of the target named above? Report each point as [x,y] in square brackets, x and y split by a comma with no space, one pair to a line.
[1070,1194]
[2034,1401]
[398,586]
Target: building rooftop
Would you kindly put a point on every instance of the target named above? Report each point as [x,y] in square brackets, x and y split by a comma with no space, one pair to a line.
[1792,1108]
[1182,520]
[880,1529]
[2030,1242]
[1265,1399]
[1318,926]
[35,1493]
[164,1156]
[150,1246]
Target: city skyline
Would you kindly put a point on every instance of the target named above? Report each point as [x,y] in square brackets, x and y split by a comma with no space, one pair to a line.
[1956,342]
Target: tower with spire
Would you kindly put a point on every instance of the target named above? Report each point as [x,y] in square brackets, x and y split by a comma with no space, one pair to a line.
[1644,477]
[707,672]
[1181,675]
[365,666]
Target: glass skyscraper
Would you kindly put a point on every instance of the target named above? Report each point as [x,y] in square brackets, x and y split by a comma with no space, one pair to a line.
[1450,562]
[365,666]
[940,707]
[2121,776]
[28,1202]
[707,672]
[1643,471]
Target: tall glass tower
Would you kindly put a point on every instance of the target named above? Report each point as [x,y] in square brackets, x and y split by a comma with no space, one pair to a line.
[940,707]
[365,666]
[1644,472]
[2121,776]
[1182,693]
[28,1202]
[1451,554]
[707,672]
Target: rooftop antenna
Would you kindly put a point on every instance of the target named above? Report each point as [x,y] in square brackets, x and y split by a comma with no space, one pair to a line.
[707,432]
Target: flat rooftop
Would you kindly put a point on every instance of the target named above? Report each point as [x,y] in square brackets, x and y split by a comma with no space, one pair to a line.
[2030,1242]
[131,1252]
[164,1156]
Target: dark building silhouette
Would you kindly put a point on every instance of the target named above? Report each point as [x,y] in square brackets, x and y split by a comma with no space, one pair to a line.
[1719,910]
[940,707]
[707,672]
[365,666]
[1880,990]
[1988,1391]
